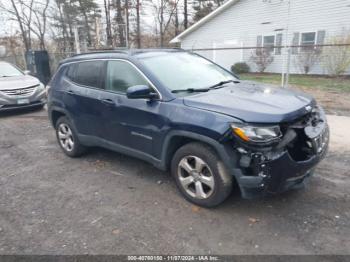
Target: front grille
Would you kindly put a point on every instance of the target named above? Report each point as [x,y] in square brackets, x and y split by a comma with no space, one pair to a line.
[21,91]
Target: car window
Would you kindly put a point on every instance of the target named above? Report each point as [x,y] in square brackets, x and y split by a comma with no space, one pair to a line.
[87,73]
[122,75]
[70,71]
[182,70]
[8,70]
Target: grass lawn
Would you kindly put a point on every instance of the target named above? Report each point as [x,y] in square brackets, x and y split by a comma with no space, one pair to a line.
[303,81]
[332,93]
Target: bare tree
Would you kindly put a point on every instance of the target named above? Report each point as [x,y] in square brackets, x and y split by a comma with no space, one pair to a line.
[336,58]
[38,23]
[185,14]
[262,58]
[20,13]
[306,59]
[107,6]
[62,26]
[165,10]
[120,23]
[138,29]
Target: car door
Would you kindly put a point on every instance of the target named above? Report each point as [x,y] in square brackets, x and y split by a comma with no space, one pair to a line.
[131,123]
[83,89]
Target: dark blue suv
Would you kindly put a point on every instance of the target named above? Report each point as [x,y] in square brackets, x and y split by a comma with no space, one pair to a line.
[180,111]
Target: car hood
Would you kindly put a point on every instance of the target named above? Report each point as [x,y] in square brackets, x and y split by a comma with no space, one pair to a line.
[16,82]
[253,102]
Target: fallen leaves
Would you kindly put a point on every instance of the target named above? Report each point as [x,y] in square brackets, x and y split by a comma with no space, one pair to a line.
[195,209]
[115,231]
[253,220]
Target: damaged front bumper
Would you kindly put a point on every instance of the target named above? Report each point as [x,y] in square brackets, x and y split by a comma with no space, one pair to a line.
[277,170]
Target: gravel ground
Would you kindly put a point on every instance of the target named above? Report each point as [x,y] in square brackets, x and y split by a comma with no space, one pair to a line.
[107,203]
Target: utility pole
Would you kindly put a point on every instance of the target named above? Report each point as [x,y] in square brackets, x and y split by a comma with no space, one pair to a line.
[76,39]
[286,60]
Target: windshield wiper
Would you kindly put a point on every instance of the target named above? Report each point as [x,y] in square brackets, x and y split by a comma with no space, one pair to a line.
[220,84]
[190,90]
[216,86]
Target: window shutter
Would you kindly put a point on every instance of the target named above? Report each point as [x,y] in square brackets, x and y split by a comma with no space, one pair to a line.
[279,43]
[295,42]
[320,37]
[258,43]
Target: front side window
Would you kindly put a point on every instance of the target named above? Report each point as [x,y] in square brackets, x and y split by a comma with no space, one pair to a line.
[87,73]
[181,70]
[122,75]
[308,40]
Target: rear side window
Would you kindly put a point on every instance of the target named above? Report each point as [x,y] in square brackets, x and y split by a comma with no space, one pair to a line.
[87,73]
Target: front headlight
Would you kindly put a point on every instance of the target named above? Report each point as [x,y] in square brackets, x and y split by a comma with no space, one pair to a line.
[256,134]
[41,86]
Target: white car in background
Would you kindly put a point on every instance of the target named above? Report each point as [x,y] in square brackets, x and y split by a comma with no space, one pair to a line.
[18,89]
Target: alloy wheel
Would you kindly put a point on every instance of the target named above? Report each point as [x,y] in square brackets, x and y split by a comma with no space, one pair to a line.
[195,177]
[65,137]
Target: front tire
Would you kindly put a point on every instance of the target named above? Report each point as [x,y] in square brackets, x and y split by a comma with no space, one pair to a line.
[68,139]
[200,175]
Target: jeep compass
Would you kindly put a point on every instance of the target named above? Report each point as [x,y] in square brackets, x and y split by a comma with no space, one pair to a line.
[184,113]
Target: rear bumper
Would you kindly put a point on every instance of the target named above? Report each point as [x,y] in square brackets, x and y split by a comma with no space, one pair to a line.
[278,175]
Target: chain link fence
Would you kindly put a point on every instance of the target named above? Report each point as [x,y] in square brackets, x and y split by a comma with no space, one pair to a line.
[329,60]
[54,58]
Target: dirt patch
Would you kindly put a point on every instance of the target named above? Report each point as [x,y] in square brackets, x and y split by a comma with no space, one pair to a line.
[335,102]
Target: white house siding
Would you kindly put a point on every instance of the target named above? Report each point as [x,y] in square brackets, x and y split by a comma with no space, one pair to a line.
[241,23]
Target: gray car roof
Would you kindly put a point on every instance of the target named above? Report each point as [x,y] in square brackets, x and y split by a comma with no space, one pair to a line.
[122,53]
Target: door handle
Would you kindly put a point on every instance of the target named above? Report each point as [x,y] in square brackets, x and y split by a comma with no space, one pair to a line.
[108,102]
[70,92]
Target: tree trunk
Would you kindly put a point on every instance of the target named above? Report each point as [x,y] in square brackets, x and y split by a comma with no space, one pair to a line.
[127,20]
[138,30]
[176,22]
[185,15]
[27,44]
[108,22]
[161,32]
[86,22]
[63,26]
[120,24]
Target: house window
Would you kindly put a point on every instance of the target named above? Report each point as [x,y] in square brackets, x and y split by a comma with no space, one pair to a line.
[269,43]
[278,50]
[308,41]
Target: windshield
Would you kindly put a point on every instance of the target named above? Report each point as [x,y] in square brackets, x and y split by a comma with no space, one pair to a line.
[181,70]
[7,70]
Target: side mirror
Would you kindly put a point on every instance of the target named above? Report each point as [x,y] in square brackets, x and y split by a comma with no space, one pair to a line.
[26,72]
[140,91]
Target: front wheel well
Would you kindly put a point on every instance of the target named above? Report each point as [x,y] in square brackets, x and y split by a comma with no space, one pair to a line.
[55,115]
[177,142]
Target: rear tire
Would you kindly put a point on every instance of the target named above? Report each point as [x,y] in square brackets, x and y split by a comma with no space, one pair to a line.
[200,175]
[68,139]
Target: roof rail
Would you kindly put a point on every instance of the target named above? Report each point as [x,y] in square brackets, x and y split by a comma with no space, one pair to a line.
[102,52]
